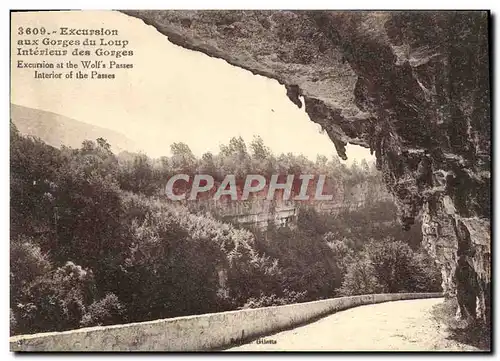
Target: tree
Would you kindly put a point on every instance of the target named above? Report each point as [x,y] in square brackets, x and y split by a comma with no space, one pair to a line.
[343,249]
[360,278]
[321,161]
[27,262]
[104,145]
[183,159]
[33,171]
[259,150]
[106,311]
[88,204]
[234,159]
[207,166]
[138,175]
[392,263]
[263,161]
[55,301]
[390,266]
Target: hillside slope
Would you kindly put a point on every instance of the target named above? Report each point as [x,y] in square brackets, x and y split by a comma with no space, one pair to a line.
[58,130]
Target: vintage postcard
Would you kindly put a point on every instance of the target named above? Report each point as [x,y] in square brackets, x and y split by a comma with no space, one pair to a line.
[259,180]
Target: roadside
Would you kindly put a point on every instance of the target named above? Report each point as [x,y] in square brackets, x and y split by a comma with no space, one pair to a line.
[391,326]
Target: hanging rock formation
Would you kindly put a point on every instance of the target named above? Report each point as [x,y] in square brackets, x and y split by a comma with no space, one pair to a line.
[411,86]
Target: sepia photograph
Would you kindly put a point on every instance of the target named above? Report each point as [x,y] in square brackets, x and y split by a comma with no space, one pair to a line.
[250,181]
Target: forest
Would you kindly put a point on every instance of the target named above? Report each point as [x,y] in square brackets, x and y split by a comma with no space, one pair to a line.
[95,241]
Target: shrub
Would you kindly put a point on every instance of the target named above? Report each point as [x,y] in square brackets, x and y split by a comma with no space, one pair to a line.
[55,301]
[106,311]
[390,266]
[274,300]
[360,278]
[27,262]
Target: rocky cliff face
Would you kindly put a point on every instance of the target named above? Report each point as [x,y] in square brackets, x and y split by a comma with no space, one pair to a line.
[411,86]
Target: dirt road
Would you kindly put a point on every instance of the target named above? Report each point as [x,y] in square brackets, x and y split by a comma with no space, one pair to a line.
[391,326]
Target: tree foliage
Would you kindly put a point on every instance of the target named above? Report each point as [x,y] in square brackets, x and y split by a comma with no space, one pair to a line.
[95,242]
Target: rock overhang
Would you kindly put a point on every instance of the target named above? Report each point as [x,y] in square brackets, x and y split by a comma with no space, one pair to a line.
[413,86]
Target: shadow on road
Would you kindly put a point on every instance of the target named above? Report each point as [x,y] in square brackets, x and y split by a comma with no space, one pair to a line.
[473,334]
